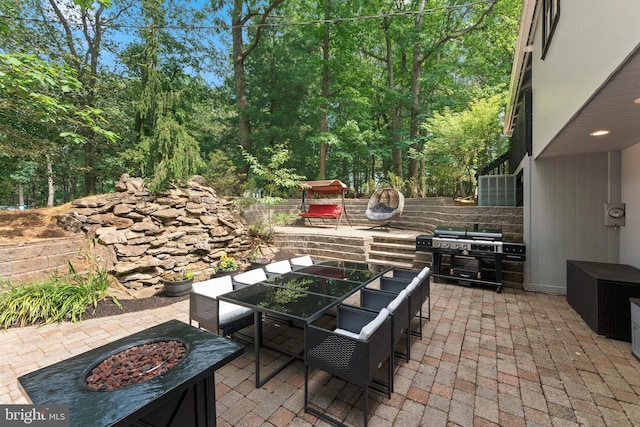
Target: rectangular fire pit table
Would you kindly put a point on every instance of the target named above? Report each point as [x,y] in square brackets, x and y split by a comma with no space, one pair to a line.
[182,396]
[302,295]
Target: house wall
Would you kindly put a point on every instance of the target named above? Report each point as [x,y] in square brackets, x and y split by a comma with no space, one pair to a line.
[564,201]
[591,39]
[630,235]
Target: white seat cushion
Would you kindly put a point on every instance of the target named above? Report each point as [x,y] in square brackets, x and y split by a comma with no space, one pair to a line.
[304,261]
[423,273]
[228,312]
[393,305]
[279,267]
[367,330]
[213,287]
[251,277]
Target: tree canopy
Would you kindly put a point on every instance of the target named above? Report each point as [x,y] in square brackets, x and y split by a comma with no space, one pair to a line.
[363,91]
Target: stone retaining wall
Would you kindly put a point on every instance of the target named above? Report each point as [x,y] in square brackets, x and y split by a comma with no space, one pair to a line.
[145,236]
[36,260]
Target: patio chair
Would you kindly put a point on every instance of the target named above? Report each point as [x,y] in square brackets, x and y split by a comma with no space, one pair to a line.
[398,308]
[219,317]
[250,277]
[414,293]
[277,268]
[384,204]
[354,351]
[424,275]
[301,261]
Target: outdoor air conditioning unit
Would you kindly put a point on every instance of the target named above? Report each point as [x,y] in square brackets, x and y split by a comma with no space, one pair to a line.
[497,190]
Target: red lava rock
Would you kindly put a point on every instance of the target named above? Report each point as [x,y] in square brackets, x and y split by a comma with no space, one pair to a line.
[136,364]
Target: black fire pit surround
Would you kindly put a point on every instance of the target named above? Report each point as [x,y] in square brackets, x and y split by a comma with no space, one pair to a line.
[182,396]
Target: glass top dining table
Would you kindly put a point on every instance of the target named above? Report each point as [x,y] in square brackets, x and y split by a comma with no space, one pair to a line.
[301,295]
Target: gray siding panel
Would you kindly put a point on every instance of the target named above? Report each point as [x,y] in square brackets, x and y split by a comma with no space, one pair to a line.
[565,217]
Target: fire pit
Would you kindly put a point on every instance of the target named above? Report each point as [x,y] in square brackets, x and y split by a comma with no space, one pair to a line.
[162,376]
[136,364]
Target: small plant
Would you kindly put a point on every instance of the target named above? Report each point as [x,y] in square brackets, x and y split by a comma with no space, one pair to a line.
[259,258]
[177,276]
[227,263]
[59,298]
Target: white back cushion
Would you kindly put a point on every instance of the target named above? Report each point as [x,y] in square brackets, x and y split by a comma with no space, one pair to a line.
[423,273]
[367,330]
[213,287]
[250,277]
[393,305]
[304,261]
[345,333]
[279,267]
[413,285]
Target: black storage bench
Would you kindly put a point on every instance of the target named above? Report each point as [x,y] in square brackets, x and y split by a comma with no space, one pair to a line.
[600,293]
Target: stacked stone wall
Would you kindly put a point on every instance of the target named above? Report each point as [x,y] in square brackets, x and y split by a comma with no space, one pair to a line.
[142,236]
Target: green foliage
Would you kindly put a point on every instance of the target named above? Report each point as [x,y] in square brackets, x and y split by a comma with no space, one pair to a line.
[462,142]
[171,155]
[57,299]
[221,174]
[37,109]
[273,174]
[152,95]
[169,152]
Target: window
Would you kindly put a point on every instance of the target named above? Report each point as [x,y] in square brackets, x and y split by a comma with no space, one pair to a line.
[550,16]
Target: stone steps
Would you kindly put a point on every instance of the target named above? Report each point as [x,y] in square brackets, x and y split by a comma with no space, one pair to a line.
[324,246]
[393,250]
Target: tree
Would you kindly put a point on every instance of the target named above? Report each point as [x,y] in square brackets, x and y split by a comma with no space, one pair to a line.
[80,44]
[456,22]
[38,112]
[239,18]
[463,142]
[168,151]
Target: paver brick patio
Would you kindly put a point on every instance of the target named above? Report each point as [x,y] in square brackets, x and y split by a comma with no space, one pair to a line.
[516,358]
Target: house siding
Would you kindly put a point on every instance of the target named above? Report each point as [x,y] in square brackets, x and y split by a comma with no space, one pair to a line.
[564,215]
[591,39]
[630,233]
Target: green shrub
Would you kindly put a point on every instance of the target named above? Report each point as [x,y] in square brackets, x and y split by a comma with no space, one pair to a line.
[56,299]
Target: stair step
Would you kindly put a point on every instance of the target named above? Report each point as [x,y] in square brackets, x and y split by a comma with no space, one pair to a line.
[393,247]
[391,256]
[406,265]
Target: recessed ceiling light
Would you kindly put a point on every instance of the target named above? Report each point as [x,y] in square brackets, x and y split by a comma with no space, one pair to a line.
[637,100]
[600,132]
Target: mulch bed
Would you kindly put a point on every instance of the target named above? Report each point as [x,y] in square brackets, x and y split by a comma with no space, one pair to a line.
[107,307]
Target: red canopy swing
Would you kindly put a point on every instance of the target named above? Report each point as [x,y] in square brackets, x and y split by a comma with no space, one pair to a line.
[324,187]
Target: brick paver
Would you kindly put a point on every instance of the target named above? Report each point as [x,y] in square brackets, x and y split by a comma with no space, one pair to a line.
[485,359]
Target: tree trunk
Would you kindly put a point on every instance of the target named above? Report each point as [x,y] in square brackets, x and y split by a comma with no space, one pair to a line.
[239,56]
[395,135]
[20,195]
[324,93]
[416,68]
[239,77]
[51,192]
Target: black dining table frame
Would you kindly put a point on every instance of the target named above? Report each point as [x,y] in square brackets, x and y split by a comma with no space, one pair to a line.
[323,288]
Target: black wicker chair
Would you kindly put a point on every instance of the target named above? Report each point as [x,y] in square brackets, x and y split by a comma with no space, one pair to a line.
[425,284]
[398,307]
[219,317]
[354,351]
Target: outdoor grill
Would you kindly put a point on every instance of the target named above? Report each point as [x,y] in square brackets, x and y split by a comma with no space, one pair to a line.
[469,250]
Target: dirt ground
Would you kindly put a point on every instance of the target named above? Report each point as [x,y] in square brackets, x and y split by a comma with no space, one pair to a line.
[31,224]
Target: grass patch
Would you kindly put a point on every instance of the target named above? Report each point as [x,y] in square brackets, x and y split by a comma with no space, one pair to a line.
[59,298]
